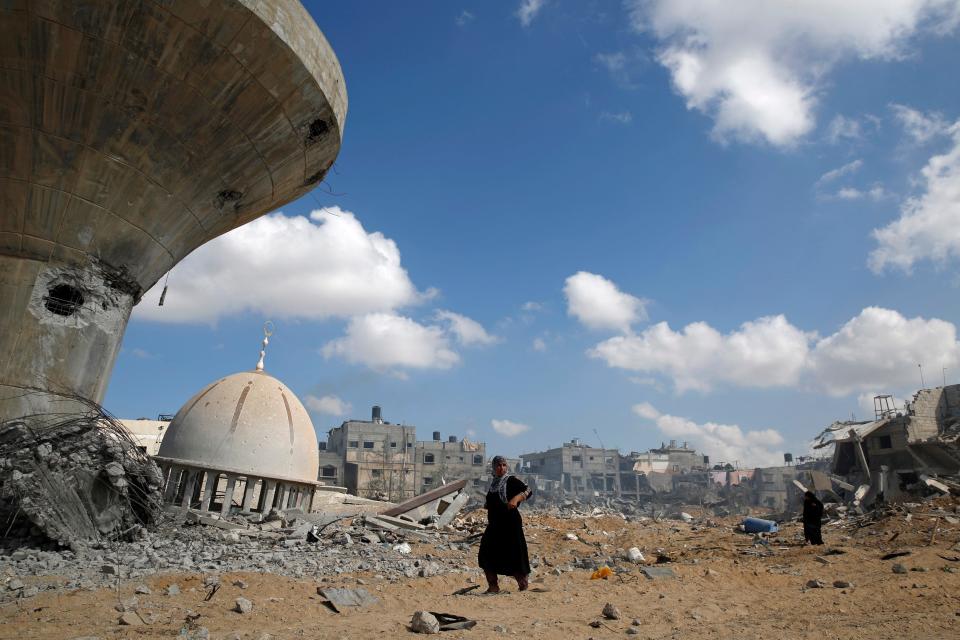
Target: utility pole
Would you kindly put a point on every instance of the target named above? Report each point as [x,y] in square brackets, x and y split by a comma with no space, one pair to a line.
[922,385]
[944,376]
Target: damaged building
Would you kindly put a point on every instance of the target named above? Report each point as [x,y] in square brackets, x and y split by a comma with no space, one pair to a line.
[901,450]
[244,442]
[375,458]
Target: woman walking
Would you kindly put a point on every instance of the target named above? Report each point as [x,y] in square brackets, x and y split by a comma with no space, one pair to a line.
[503,549]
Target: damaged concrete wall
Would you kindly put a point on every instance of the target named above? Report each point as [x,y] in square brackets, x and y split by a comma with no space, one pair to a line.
[130,134]
[76,479]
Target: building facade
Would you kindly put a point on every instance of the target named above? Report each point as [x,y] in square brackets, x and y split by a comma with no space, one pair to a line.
[374,458]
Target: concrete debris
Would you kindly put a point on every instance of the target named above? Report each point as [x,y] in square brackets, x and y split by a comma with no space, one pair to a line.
[75,479]
[611,612]
[424,622]
[242,605]
[634,555]
[339,599]
[653,573]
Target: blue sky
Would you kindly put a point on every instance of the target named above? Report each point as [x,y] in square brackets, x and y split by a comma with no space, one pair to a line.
[728,225]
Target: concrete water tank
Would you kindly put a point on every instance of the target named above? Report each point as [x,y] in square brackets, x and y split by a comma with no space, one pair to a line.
[130,134]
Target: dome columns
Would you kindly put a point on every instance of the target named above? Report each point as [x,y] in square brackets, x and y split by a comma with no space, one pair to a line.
[226,492]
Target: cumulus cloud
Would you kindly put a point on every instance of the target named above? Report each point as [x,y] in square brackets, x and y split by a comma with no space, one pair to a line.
[464,18]
[920,127]
[767,352]
[539,345]
[531,306]
[509,428]
[876,193]
[597,303]
[329,405]
[468,332]
[528,10]
[755,66]
[386,342]
[878,349]
[722,442]
[323,266]
[929,224]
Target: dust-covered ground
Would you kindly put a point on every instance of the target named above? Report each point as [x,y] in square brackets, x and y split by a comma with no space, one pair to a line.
[727,584]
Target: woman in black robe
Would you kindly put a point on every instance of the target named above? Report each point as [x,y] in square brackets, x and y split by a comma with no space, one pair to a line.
[503,549]
[812,515]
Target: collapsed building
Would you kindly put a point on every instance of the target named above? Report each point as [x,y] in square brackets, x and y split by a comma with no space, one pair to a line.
[75,479]
[900,451]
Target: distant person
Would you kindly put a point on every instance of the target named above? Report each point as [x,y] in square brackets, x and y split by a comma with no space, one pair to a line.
[812,514]
[503,549]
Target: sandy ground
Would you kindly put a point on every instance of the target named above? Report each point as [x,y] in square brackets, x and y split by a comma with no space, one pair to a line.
[720,591]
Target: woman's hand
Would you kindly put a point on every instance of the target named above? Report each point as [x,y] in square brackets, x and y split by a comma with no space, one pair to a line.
[515,501]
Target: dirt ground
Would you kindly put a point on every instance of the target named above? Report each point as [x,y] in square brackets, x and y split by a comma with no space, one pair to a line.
[721,590]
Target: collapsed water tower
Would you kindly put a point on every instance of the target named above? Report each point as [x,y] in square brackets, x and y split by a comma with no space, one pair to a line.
[130,134]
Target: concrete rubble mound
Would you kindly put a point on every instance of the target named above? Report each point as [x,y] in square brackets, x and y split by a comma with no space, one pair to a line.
[74,479]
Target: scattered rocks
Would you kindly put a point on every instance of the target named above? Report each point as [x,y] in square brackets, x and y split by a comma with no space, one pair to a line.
[611,612]
[143,589]
[842,584]
[424,622]
[815,584]
[173,589]
[243,605]
[634,555]
[899,568]
[130,619]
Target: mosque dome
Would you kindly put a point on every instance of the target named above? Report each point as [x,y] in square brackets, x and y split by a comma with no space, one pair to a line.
[248,423]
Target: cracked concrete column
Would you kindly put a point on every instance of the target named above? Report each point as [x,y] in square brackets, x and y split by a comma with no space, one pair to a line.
[228,495]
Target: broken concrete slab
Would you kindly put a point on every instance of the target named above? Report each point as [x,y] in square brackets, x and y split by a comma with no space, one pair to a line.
[653,573]
[453,509]
[424,498]
[342,598]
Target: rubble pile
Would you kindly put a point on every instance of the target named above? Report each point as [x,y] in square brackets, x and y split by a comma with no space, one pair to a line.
[74,480]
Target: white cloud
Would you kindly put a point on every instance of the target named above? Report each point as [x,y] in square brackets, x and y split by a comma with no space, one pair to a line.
[845,170]
[878,349]
[767,352]
[528,10]
[620,117]
[287,267]
[508,428]
[844,128]
[384,342]
[539,345]
[722,442]
[329,404]
[531,306]
[756,66]
[143,354]
[875,193]
[929,224]
[599,304]
[623,66]
[921,127]
[468,332]
[464,18]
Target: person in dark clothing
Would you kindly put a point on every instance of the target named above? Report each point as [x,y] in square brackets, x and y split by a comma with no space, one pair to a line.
[503,549]
[812,514]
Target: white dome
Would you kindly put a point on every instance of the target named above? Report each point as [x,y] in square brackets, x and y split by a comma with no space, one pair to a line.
[248,423]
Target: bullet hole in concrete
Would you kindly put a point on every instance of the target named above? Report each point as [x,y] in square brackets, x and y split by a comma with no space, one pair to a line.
[63,299]
[229,196]
[318,128]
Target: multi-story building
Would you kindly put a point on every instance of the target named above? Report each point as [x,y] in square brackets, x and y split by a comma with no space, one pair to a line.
[581,470]
[371,458]
[440,461]
[374,458]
